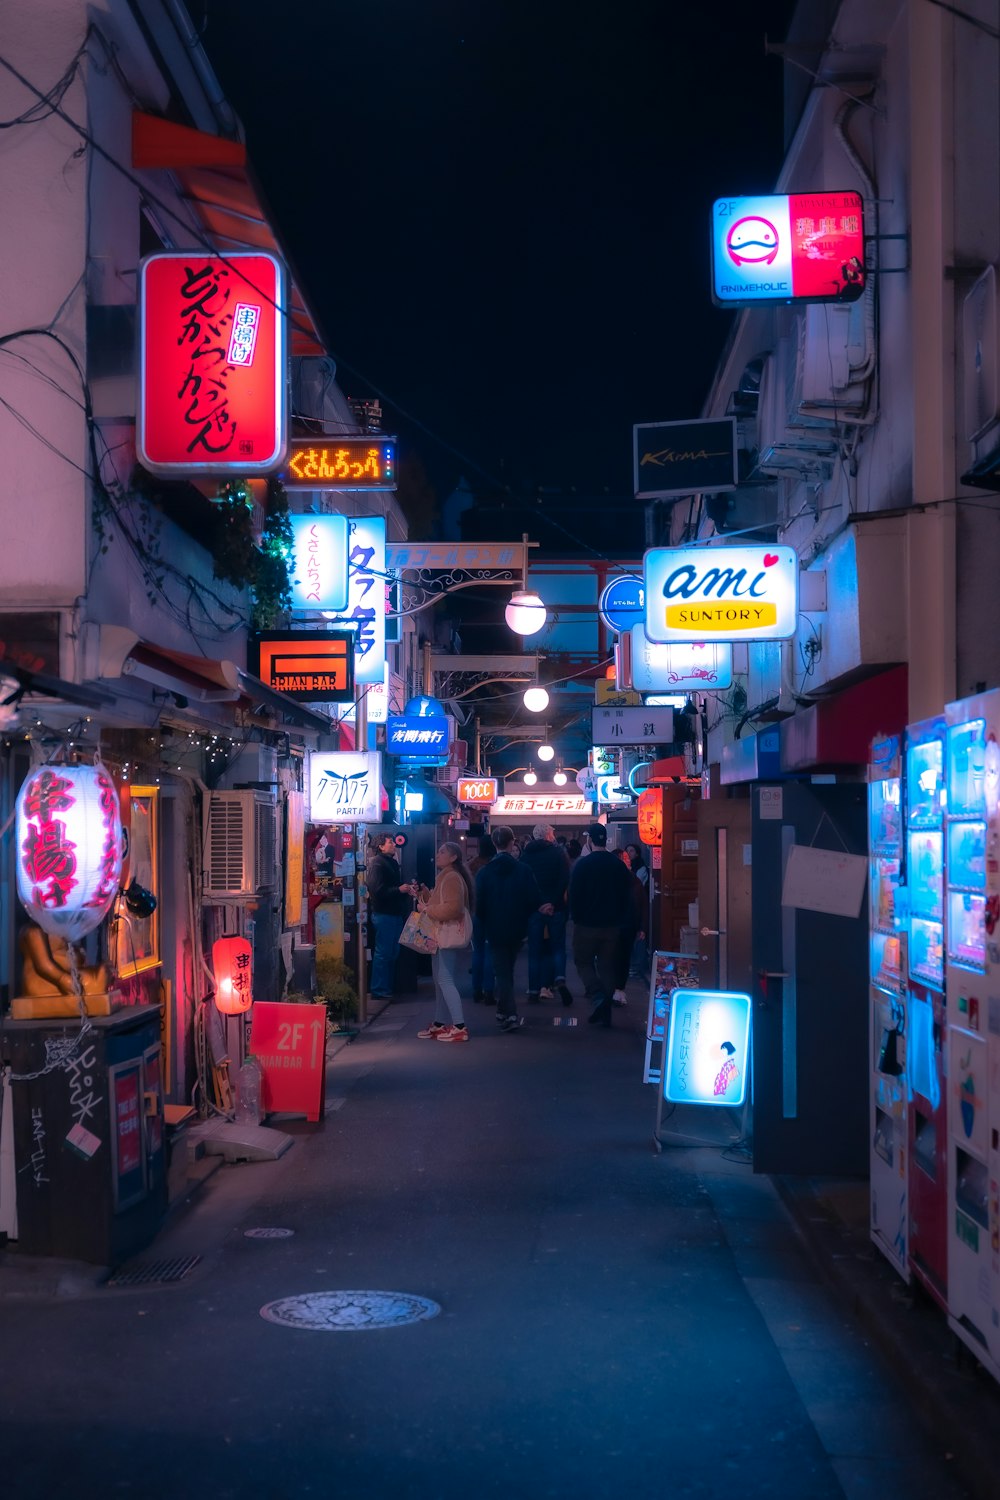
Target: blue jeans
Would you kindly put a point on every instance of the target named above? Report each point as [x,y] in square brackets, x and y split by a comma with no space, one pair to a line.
[445,966]
[387,930]
[546,957]
[482,962]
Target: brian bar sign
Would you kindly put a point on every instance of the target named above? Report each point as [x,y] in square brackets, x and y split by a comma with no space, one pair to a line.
[721,593]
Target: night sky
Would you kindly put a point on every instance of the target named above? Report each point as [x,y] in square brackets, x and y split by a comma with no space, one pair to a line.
[499,212]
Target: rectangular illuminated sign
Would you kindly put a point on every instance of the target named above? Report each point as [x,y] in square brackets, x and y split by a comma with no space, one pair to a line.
[569,805]
[633,726]
[319,576]
[345,786]
[684,458]
[797,247]
[679,668]
[721,593]
[212,364]
[708,1040]
[341,463]
[314,666]
[365,612]
[416,734]
[477,791]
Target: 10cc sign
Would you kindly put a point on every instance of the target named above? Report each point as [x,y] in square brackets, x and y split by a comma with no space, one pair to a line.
[477,791]
[721,593]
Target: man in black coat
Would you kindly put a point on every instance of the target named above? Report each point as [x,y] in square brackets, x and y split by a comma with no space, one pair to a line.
[506,895]
[389,905]
[600,906]
[547,934]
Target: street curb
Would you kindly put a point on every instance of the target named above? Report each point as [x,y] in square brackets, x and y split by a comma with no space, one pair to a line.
[955,1398]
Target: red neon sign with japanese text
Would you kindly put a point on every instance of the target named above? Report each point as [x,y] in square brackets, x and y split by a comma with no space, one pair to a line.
[212,364]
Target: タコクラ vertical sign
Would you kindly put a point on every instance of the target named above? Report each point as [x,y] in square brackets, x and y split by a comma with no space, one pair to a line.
[212,364]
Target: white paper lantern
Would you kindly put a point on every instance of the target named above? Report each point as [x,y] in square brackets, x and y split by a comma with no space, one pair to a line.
[69,848]
[525,614]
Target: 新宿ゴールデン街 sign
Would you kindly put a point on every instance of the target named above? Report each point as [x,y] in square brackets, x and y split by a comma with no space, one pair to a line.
[721,593]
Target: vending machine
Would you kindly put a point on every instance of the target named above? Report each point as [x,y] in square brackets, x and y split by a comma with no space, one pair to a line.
[973,1024]
[887,1029]
[925,1005]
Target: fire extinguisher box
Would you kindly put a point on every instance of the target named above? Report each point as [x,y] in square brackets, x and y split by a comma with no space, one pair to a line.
[88,1134]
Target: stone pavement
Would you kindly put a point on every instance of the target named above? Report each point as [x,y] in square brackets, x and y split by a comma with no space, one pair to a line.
[612,1319]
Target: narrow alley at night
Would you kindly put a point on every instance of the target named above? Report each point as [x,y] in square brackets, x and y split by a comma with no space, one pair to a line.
[500,749]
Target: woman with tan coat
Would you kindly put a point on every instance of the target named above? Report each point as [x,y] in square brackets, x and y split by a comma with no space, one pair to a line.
[449,904]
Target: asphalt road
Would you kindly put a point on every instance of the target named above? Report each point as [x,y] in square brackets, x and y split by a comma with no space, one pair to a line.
[613,1321]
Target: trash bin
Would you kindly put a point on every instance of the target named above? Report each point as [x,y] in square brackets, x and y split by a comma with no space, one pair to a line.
[88,1134]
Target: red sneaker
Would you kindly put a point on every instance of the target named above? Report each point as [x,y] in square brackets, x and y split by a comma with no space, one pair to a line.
[433,1030]
[453,1034]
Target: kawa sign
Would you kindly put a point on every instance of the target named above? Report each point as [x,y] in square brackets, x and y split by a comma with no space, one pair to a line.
[721,593]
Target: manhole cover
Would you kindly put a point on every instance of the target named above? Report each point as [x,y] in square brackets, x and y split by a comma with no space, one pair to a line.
[153,1272]
[347,1312]
[268,1234]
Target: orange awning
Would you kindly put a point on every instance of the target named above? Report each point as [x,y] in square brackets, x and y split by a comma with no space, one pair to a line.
[216,178]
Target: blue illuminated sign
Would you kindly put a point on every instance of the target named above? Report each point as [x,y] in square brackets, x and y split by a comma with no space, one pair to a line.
[623,603]
[708,1042]
[418,735]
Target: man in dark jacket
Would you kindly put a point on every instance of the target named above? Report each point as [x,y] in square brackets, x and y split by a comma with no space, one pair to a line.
[389,904]
[506,895]
[600,905]
[547,934]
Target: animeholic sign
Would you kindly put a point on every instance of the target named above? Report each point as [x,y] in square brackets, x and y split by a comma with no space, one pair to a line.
[212,364]
[721,593]
[797,247]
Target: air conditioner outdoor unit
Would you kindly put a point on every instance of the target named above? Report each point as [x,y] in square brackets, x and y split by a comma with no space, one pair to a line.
[782,449]
[239,840]
[980,356]
[829,343]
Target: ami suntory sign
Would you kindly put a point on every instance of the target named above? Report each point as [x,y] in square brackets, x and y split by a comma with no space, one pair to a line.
[721,593]
[212,364]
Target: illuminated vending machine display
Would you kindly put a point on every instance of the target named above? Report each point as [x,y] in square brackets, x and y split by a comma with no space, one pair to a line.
[926,1101]
[972,1081]
[887,973]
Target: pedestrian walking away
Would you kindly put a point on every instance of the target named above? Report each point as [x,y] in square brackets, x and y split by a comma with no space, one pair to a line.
[450,906]
[482,963]
[547,933]
[506,895]
[630,932]
[390,903]
[600,907]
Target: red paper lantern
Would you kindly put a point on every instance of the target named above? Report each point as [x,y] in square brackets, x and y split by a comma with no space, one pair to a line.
[649,813]
[69,848]
[232,963]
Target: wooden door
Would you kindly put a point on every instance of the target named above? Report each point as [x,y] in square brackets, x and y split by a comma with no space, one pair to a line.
[676,882]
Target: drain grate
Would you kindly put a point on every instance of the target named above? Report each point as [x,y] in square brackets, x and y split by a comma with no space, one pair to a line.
[153,1272]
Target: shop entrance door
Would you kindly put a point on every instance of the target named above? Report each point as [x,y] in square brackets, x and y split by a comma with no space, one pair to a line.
[810,991]
[724,876]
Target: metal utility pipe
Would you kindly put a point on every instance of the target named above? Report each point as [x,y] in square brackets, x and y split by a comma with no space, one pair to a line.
[478,747]
[428,670]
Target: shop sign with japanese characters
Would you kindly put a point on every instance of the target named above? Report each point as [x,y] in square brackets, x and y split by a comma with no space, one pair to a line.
[797,247]
[633,726]
[365,612]
[416,734]
[681,667]
[707,1046]
[567,805]
[721,593]
[345,786]
[319,578]
[212,364]
[341,463]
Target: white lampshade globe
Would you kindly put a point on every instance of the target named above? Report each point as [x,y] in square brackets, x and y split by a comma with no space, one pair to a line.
[525,614]
[536,700]
[546,752]
[560,778]
[530,778]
